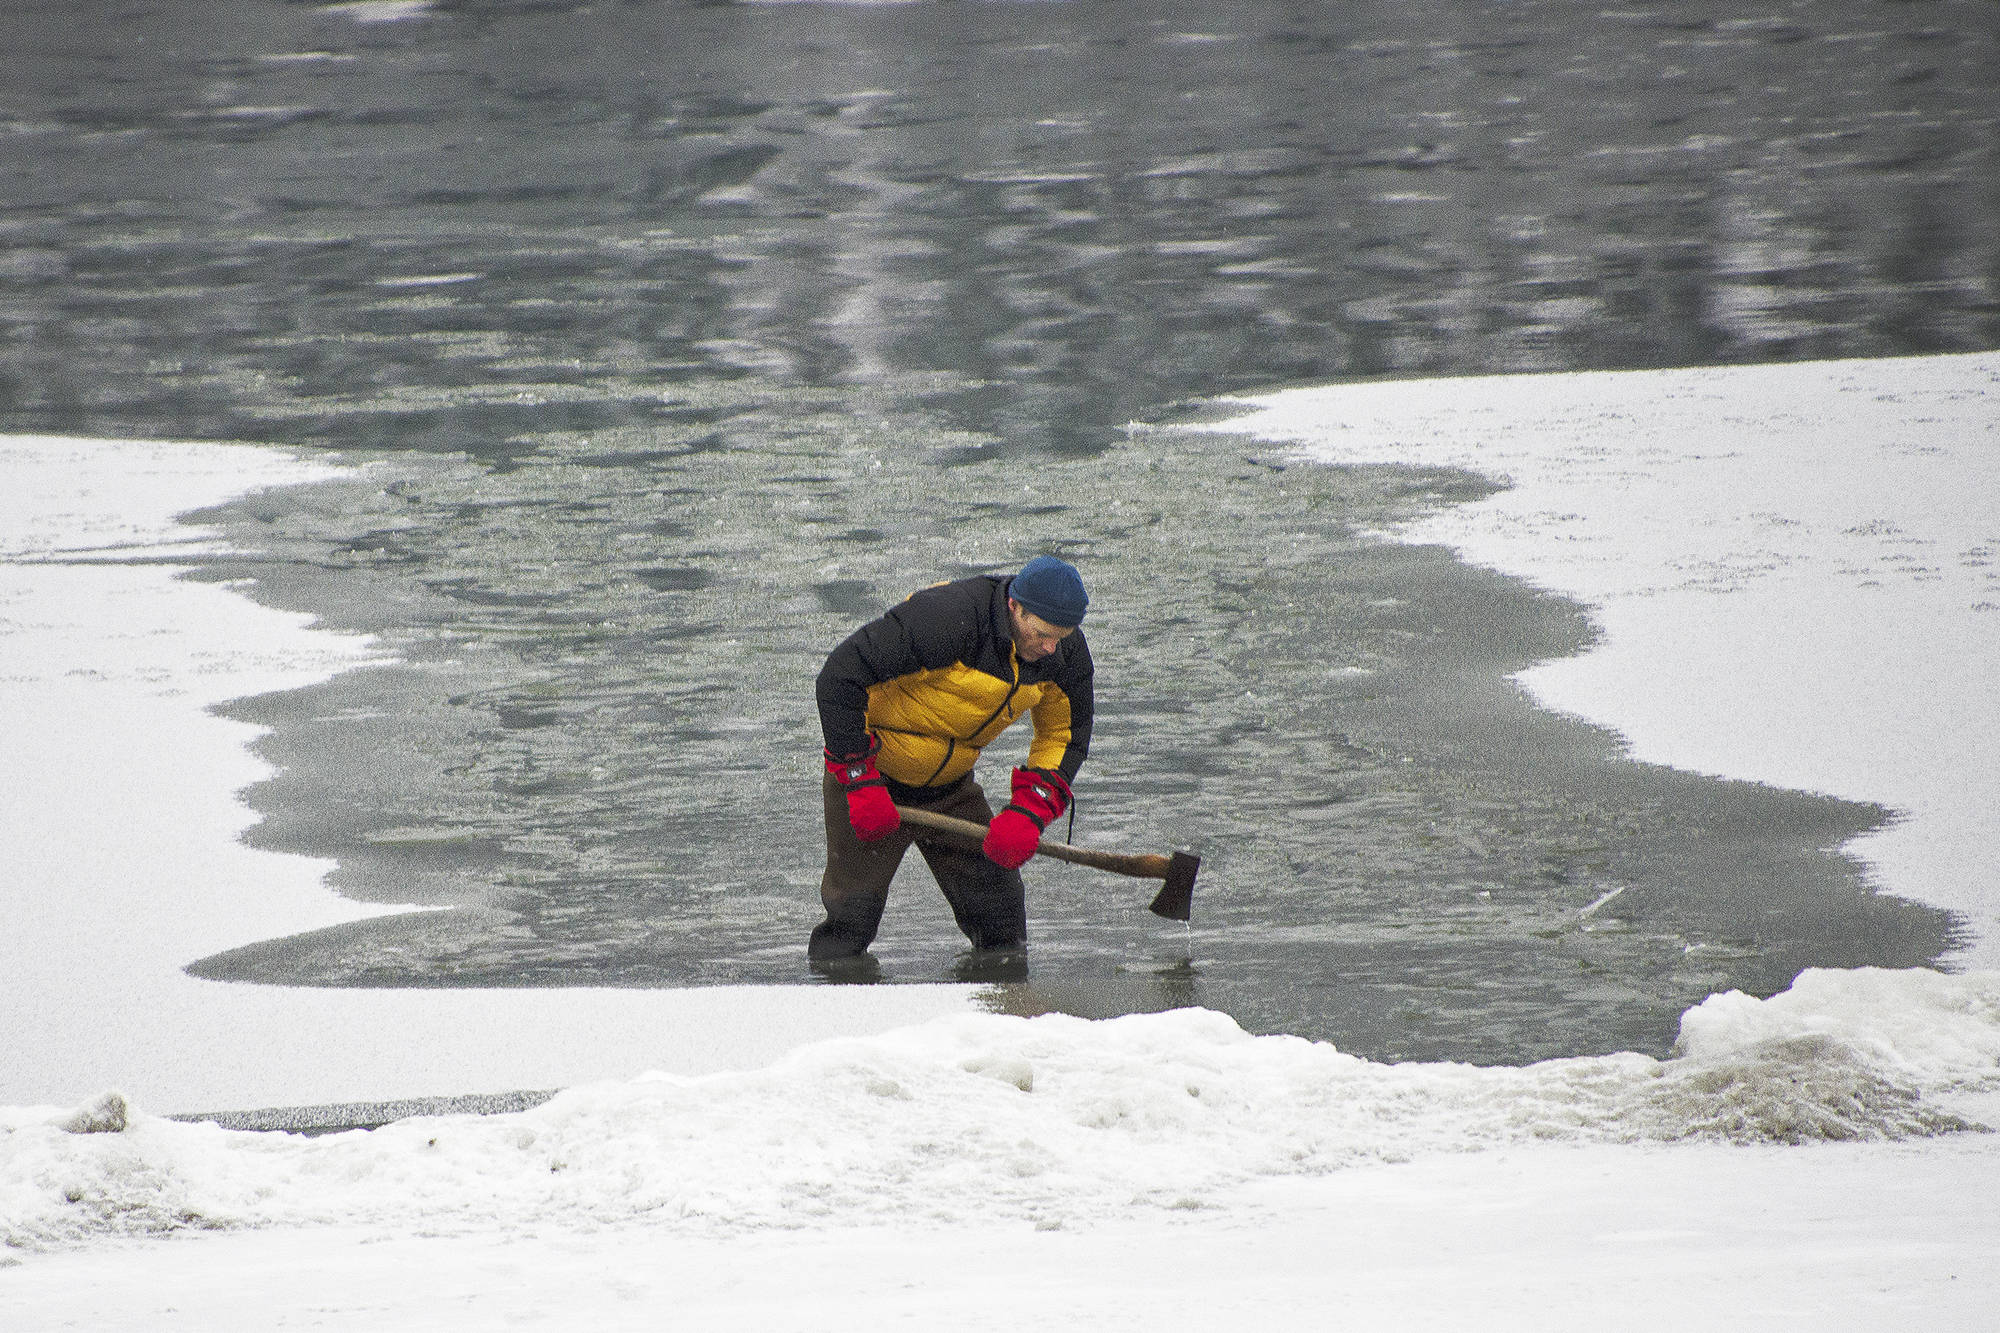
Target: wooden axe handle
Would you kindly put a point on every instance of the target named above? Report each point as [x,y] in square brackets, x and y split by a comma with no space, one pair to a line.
[1118,863]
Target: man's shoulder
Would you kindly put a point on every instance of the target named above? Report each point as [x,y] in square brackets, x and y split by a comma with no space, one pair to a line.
[969,601]
[955,616]
[980,588]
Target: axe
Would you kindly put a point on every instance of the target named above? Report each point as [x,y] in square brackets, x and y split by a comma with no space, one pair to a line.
[1175,900]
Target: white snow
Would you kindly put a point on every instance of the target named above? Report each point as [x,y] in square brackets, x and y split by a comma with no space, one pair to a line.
[1800,1160]
[804,1159]
[1833,1238]
[1795,571]
[1050,1122]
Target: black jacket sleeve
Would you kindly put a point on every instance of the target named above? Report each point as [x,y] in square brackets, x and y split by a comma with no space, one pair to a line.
[1076,678]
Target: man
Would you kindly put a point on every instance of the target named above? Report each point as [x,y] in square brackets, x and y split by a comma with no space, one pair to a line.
[907,702]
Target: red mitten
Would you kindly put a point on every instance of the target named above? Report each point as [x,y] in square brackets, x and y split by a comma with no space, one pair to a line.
[1040,795]
[869,808]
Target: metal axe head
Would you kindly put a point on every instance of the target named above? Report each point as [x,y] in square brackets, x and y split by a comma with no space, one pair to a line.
[1175,900]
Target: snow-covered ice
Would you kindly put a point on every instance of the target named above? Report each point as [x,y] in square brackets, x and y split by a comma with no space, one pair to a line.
[1794,570]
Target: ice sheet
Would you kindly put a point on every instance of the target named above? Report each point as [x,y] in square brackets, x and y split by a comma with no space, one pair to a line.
[1795,570]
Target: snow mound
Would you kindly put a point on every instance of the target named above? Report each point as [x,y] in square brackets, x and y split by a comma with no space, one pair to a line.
[1053,1121]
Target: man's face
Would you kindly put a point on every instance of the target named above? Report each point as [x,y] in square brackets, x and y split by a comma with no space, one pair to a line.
[1034,638]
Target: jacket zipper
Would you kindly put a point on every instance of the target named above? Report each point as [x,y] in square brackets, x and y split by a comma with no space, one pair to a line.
[951,743]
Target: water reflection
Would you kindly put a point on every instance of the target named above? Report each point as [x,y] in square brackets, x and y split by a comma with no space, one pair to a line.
[1139,989]
[491,223]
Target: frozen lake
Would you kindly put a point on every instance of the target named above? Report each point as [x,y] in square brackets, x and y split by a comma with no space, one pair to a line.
[1577,682]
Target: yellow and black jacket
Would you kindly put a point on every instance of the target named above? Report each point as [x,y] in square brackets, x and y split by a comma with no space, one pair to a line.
[938,679]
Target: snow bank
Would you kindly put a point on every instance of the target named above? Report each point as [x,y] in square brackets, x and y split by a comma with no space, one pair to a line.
[121,784]
[1795,569]
[1053,1120]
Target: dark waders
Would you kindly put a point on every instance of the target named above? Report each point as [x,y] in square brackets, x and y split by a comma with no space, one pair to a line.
[990,902]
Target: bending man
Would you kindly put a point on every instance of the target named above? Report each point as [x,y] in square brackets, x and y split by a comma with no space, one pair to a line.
[907,702]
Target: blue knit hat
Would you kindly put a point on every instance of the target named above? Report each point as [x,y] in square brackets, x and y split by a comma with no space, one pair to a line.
[1052,589]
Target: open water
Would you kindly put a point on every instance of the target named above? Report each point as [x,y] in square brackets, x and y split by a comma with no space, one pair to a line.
[680,338]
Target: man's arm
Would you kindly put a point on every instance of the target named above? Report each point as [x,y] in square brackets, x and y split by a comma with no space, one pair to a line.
[1065,714]
[1040,789]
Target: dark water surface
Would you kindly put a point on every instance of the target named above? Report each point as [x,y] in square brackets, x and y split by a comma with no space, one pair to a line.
[680,338]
